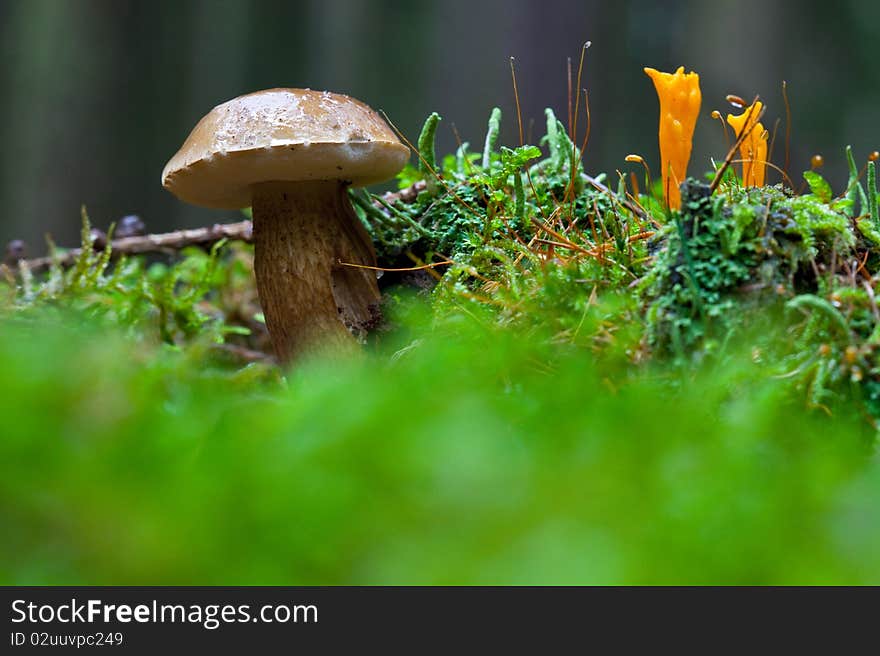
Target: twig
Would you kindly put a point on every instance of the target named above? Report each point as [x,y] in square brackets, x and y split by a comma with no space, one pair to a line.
[170,242]
[407,195]
[398,269]
[158,243]
[642,214]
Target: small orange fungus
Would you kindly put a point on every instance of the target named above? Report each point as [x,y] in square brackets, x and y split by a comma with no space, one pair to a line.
[680,99]
[753,150]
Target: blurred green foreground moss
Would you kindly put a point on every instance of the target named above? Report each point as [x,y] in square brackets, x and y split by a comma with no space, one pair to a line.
[470,456]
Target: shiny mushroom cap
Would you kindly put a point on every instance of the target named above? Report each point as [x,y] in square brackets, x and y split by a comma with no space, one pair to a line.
[278,135]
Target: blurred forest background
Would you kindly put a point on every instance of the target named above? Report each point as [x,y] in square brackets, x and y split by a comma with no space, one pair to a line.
[98,94]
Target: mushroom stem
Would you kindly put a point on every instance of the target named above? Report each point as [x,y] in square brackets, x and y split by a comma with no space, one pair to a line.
[302,231]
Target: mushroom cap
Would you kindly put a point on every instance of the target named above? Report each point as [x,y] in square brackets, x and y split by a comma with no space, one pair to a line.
[281,135]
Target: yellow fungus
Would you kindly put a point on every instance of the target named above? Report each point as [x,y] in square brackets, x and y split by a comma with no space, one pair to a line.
[753,150]
[680,99]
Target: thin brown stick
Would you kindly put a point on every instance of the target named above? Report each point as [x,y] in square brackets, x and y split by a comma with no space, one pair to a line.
[386,269]
[560,238]
[158,243]
[776,124]
[170,242]
[570,112]
[575,156]
[516,99]
[787,126]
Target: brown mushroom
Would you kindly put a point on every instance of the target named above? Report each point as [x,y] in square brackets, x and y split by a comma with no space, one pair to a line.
[291,154]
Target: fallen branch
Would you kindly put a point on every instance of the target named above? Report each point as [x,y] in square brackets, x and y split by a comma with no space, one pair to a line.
[170,242]
[167,242]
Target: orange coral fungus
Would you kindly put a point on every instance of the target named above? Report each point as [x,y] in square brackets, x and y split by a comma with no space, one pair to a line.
[680,98]
[753,150]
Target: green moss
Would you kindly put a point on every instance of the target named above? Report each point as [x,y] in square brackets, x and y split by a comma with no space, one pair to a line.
[729,255]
